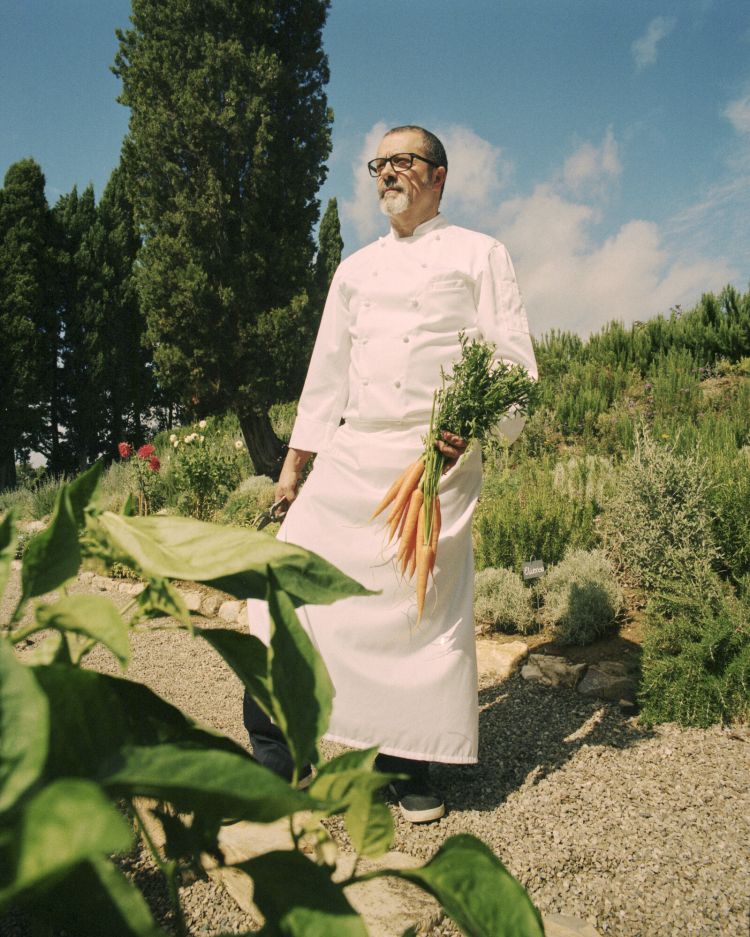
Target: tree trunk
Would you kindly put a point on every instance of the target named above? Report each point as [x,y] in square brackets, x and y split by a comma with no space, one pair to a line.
[264,446]
[7,468]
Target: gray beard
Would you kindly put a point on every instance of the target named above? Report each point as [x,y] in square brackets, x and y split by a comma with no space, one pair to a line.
[394,205]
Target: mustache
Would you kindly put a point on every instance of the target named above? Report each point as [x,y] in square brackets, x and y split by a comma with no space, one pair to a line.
[389,188]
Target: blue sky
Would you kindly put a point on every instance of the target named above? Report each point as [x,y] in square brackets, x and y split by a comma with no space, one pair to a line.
[606,143]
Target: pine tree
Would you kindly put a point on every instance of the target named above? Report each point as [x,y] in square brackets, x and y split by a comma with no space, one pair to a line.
[229,130]
[28,333]
[330,246]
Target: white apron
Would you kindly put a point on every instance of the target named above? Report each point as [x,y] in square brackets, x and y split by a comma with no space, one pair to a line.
[391,322]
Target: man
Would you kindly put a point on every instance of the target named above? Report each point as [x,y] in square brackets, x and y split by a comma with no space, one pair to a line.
[392,321]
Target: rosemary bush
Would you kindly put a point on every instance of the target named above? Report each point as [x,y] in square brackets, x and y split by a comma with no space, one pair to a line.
[502,602]
[582,597]
[696,655]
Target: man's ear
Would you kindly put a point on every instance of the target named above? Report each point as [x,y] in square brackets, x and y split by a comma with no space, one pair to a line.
[438,176]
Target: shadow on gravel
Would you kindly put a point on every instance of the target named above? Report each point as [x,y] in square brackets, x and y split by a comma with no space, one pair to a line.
[526,732]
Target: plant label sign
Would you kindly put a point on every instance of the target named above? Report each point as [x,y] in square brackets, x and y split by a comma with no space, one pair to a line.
[533,569]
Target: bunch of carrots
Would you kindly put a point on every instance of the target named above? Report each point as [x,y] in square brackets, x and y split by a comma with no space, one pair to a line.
[472,400]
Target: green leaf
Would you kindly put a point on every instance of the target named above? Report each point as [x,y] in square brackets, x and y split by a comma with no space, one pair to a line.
[301,690]
[92,616]
[53,556]
[369,824]
[94,715]
[475,889]
[8,540]
[194,779]
[95,899]
[248,658]
[82,491]
[339,778]
[65,823]
[231,559]
[24,727]
[299,898]
[128,509]
[160,599]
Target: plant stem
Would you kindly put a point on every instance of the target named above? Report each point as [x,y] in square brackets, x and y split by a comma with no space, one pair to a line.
[168,869]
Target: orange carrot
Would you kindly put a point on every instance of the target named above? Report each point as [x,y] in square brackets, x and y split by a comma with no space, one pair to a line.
[423,564]
[390,494]
[409,531]
[436,521]
[409,483]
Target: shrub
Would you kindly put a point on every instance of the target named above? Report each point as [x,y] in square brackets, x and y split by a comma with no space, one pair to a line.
[206,465]
[657,524]
[696,656]
[588,478]
[522,516]
[730,504]
[42,497]
[582,597]
[282,416]
[253,497]
[501,602]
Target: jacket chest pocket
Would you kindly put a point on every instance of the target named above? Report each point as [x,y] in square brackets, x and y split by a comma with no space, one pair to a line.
[447,305]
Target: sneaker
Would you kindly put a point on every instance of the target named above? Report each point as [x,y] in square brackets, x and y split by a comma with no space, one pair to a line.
[417,802]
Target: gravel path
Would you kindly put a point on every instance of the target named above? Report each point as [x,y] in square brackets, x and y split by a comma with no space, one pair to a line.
[640,832]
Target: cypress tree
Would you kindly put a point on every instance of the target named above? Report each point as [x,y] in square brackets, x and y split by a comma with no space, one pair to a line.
[229,130]
[28,332]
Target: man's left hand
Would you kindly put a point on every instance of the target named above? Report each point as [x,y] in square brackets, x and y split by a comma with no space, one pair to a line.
[452,447]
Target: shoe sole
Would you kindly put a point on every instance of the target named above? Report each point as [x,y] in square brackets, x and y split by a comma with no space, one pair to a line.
[422,816]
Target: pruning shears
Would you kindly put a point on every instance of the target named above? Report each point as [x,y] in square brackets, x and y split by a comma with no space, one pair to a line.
[276,512]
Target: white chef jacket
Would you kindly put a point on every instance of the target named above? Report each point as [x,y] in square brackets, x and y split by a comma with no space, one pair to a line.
[392,319]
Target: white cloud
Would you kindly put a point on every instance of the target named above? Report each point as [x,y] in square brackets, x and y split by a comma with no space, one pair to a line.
[593,169]
[362,208]
[477,171]
[738,113]
[645,49]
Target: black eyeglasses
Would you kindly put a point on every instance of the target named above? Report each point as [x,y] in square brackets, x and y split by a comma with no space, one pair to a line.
[400,162]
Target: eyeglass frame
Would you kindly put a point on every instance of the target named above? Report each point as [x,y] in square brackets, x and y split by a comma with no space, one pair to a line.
[389,159]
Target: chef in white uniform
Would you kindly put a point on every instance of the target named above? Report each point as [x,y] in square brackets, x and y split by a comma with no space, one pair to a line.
[392,320]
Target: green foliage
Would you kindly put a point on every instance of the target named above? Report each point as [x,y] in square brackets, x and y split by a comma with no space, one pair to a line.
[730,505]
[228,135]
[76,744]
[502,602]
[206,465]
[658,523]
[248,502]
[582,597]
[696,656]
[522,516]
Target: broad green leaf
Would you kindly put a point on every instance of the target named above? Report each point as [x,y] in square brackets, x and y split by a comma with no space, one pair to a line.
[231,559]
[8,540]
[96,899]
[160,599]
[301,689]
[65,823]
[94,715]
[248,658]
[24,727]
[475,889]
[92,616]
[128,509]
[187,837]
[52,650]
[369,824]
[299,898]
[194,779]
[348,775]
[82,490]
[53,556]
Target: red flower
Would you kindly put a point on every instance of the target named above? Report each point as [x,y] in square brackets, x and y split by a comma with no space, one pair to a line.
[146,451]
[154,464]
[125,450]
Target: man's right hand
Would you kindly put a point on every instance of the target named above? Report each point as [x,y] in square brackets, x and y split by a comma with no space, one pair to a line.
[288,483]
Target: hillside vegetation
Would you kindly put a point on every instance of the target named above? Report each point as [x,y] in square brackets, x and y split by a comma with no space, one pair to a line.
[631,482]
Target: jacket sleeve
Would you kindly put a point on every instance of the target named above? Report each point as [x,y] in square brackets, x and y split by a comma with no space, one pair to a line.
[502,320]
[326,389]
